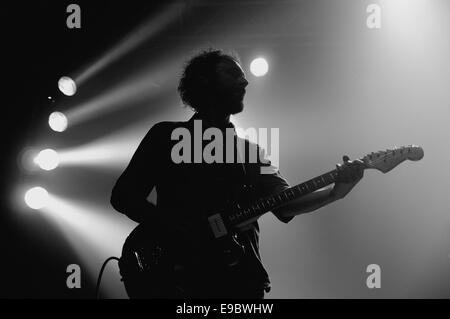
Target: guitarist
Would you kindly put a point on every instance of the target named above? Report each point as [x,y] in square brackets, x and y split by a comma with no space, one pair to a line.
[213,85]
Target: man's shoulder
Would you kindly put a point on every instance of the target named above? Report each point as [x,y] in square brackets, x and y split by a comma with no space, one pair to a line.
[251,145]
[164,127]
[167,124]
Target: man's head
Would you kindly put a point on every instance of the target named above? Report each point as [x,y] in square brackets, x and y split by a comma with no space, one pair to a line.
[213,83]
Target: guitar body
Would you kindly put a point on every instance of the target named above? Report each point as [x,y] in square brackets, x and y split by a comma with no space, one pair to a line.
[146,266]
[164,263]
[152,267]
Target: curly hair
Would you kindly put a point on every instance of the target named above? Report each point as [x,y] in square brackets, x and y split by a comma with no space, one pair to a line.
[199,73]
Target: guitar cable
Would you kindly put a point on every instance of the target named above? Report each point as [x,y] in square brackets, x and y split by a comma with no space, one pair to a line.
[97,288]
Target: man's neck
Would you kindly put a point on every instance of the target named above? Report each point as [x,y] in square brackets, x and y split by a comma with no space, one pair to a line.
[214,120]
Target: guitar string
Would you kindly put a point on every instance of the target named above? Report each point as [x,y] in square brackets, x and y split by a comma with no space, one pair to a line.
[266,200]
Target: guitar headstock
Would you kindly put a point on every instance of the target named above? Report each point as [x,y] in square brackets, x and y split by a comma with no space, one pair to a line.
[384,161]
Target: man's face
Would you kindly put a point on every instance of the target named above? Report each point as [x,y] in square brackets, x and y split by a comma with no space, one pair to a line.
[230,86]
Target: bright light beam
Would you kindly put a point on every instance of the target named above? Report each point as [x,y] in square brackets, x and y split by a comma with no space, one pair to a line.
[138,88]
[113,151]
[132,40]
[95,233]
[111,100]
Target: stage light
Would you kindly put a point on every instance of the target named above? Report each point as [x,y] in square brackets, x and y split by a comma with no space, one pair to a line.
[57,121]
[36,198]
[67,86]
[259,67]
[47,159]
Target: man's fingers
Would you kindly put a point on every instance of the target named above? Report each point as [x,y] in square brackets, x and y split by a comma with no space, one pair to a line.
[360,168]
[350,171]
[342,173]
[357,171]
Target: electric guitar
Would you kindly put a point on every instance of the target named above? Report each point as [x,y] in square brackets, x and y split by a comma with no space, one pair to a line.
[152,268]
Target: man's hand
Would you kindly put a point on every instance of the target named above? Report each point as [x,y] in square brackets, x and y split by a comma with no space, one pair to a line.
[349,174]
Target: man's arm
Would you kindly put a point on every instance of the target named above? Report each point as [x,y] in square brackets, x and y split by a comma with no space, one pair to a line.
[125,199]
[129,195]
[307,203]
[349,174]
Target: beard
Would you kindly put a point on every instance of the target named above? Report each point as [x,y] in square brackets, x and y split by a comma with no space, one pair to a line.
[229,102]
[233,103]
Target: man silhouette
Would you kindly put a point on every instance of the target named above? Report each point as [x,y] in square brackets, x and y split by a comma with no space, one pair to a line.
[213,84]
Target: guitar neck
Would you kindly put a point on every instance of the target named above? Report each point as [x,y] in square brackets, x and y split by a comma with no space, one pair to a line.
[240,214]
[383,161]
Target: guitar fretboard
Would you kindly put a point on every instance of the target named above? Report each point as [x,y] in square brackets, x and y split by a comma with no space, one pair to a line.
[241,214]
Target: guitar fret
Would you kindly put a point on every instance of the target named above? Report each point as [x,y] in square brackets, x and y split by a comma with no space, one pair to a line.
[266,204]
